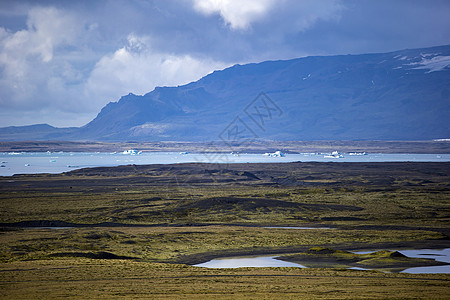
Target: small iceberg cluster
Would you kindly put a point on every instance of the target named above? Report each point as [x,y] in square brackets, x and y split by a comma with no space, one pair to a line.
[357,153]
[131,152]
[334,154]
[275,154]
[15,153]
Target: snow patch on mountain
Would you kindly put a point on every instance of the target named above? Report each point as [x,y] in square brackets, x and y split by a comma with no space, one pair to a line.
[433,64]
[401,57]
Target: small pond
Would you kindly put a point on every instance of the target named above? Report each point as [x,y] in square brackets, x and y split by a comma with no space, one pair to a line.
[270,261]
[244,262]
[293,227]
[439,255]
[48,227]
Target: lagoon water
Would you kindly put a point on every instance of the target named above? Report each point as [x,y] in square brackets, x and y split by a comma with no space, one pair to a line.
[58,162]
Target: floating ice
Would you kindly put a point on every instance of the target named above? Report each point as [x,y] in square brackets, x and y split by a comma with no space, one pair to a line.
[275,154]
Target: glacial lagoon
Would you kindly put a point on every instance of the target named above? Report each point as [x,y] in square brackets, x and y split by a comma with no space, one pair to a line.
[57,162]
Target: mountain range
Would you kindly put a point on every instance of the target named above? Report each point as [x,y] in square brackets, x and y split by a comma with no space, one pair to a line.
[401,95]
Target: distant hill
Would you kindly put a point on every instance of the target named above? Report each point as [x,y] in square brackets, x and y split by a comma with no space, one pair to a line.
[402,95]
[33,132]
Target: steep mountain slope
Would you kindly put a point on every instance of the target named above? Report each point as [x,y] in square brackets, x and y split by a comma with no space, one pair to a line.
[402,95]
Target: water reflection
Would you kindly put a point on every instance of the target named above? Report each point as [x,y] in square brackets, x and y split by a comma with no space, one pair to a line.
[252,262]
[270,261]
[439,255]
[428,270]
[293,227]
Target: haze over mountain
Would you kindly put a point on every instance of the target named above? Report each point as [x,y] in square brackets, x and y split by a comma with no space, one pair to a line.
[402,95]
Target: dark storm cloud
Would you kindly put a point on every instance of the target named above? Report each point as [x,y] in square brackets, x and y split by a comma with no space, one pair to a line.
[380,26]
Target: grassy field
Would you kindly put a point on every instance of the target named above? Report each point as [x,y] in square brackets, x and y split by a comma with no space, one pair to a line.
[106,279]
[132,231]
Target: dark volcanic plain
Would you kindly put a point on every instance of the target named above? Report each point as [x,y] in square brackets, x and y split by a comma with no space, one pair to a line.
[133,231]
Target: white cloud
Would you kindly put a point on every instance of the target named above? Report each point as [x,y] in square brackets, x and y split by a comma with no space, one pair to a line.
[291,15]
[236,14]
[51,68]
[136,68]
[47,28]
[26,56]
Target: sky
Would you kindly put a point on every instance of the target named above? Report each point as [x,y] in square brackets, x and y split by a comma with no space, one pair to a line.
[61,61]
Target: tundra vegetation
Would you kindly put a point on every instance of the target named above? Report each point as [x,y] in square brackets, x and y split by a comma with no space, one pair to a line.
[135,231]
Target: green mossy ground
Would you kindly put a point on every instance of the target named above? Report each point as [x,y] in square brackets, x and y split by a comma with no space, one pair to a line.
[127,279]
[159,216]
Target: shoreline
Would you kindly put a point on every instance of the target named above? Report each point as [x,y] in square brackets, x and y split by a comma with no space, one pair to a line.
[257,147]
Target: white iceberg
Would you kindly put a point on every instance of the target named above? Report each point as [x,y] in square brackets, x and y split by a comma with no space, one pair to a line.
[334,154]
[275,154]
[357,153]
[131,152]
